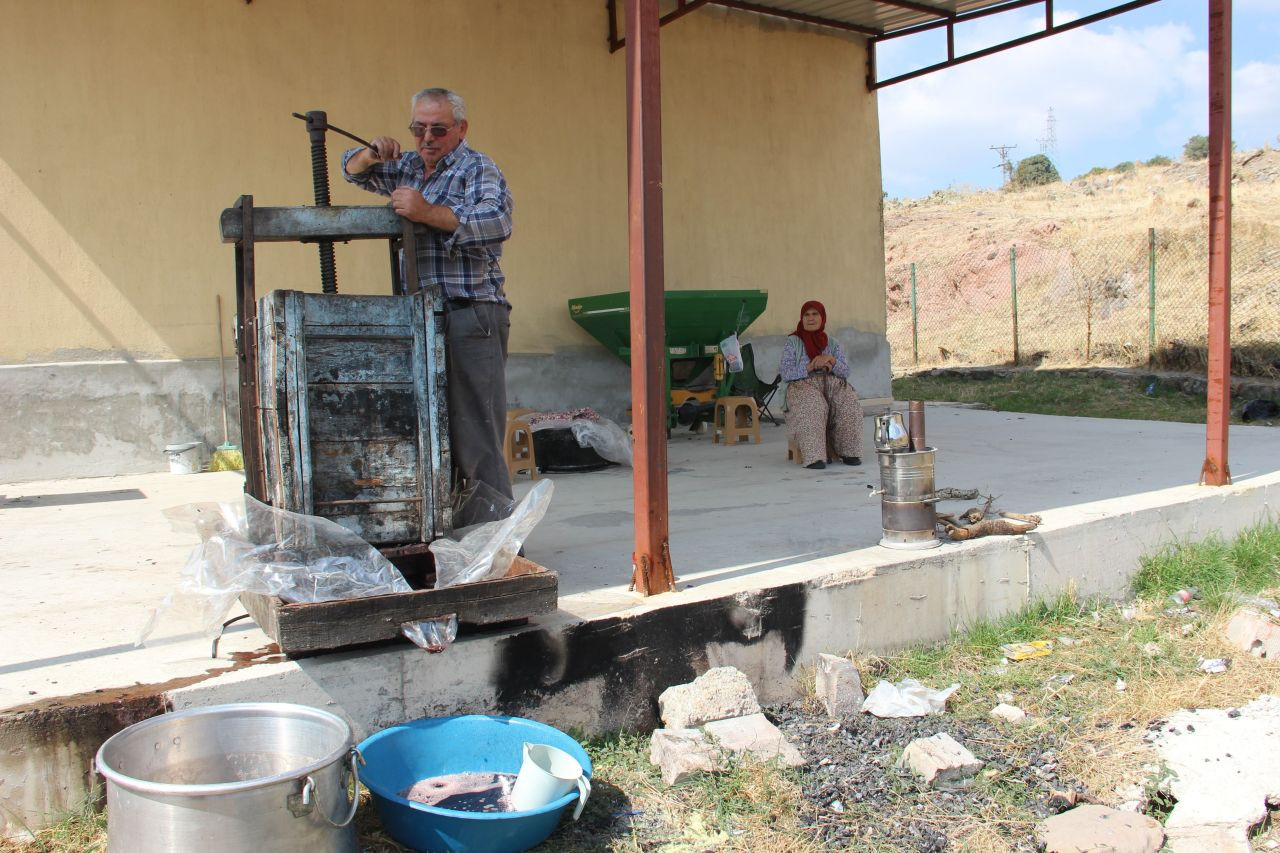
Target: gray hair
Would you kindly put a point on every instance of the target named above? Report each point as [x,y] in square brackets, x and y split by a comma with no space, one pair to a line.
[438,94]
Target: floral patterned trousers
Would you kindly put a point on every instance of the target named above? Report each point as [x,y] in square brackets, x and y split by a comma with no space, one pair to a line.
[820,406]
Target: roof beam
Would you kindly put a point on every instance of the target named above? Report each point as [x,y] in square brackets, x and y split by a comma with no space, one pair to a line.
[684,7]
[953,60]
[958,19]
[799,16]
[919,7]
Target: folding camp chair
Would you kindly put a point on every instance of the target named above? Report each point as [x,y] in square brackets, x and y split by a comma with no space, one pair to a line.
[748,384]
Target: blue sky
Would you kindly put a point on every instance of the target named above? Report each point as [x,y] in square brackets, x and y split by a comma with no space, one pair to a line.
[1127,88]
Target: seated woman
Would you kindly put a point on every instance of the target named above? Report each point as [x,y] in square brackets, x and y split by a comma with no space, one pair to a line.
[820,400]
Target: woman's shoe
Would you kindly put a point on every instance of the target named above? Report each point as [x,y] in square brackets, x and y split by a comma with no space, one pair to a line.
[853,460]
[816,466]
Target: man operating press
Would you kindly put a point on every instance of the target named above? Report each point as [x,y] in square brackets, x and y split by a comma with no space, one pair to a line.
[461,196]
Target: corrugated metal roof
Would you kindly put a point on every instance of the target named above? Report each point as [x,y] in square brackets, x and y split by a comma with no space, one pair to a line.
[882,17]
[886,19]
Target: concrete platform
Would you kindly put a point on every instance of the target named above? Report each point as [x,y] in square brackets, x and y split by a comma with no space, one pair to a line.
[775,564]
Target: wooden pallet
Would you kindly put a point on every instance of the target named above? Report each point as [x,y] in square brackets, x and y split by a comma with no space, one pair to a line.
[528,589]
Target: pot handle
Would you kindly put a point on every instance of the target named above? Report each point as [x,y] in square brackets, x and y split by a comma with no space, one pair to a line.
[309,787]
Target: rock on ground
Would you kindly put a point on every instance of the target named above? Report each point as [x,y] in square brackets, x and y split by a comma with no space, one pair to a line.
[682,754]
[940,761]
[1224,770]
[839,686]
[715,695]
[1008,713]
[1098,828]
[755,735]
[1253,632]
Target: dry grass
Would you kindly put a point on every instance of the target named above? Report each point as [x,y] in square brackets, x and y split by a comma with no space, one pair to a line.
[1098,729]
[79,830]
[751,807]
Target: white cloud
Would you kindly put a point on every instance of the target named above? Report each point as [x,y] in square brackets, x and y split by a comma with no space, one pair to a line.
[1117,94]
[1255,93]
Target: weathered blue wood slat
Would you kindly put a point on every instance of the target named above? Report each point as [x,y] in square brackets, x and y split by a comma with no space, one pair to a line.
[360,422]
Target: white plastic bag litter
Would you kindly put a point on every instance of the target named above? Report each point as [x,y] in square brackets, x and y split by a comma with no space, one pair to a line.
[604,437]
[732,352]
[907,698]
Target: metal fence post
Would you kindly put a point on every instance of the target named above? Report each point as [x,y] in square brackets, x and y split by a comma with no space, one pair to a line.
[915,329]
[1151,296]
[1013,287]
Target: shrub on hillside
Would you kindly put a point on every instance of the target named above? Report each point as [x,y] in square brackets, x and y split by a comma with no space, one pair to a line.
[1197,148]
[1159,160]
[1034,171]
[1126,166]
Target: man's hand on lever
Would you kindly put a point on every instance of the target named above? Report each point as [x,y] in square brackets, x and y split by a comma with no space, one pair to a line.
[384,149]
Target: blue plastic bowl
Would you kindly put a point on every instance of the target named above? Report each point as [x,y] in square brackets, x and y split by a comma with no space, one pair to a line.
[397,757]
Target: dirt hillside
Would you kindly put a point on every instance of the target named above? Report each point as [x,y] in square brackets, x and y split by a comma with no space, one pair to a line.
[1082,266]
[1173,196]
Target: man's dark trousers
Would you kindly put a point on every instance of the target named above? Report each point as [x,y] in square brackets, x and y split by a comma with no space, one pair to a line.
[476,358]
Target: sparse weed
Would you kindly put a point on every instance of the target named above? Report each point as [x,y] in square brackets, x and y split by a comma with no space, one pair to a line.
[82,829]
[1221,571]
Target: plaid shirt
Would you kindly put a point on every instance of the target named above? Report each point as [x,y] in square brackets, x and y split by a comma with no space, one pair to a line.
[465,263]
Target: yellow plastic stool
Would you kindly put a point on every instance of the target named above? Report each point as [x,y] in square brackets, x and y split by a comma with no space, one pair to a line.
[736,418]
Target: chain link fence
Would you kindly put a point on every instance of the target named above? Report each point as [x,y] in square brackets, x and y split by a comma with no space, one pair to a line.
[1067,299]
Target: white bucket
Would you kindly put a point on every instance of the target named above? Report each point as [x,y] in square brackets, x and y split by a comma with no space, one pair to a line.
[189,457]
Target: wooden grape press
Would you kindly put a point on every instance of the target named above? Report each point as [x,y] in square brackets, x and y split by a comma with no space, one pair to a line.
[344,415]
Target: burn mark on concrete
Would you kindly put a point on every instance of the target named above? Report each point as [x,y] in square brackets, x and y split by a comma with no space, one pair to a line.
[638,657]
[269,653]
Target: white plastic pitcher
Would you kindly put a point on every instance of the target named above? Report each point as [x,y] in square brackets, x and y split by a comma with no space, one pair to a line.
[546,775]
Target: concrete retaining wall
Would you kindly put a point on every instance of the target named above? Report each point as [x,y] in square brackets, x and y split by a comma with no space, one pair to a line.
[91,419]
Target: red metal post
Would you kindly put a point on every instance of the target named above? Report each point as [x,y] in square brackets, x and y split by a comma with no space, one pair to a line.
[1215,471]
[651,560]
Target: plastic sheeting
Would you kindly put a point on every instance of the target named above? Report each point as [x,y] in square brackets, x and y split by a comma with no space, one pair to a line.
[257,548]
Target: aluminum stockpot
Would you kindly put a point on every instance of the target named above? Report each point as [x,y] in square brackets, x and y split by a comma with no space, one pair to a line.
[906,512]
[234,778]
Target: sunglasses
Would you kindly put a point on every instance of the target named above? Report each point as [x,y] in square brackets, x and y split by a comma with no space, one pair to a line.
[436,130]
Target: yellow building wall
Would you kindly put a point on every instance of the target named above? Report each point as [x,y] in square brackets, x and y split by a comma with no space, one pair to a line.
[127,126]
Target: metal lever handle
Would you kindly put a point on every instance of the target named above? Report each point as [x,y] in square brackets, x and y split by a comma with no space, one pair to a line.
[328,126]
